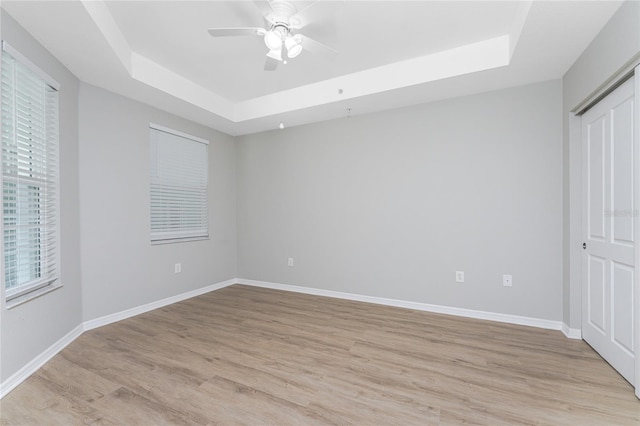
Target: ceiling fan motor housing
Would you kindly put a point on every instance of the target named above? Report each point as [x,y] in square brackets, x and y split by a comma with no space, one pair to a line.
[282,13]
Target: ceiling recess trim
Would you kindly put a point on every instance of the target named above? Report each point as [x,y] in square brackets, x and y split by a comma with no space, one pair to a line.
[103,19]
[155,75]
[483,55]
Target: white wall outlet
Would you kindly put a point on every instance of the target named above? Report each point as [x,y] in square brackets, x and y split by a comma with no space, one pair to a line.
[290,262]
[507,280]
[177,268]
[459,276]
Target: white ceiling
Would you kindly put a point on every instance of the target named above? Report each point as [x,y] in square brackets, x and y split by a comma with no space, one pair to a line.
[391,53]
[232,67]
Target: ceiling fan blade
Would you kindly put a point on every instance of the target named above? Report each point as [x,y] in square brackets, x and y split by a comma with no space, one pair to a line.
[270,64]
[316,47]
[241,31]
[316,11]
[264,6]
[302,16]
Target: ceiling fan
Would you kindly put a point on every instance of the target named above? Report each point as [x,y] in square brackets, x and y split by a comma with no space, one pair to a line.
[281,19]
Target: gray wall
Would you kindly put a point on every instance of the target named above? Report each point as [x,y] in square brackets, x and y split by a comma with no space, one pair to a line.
[391,204]
[28,329]
[120,268]
[616,44]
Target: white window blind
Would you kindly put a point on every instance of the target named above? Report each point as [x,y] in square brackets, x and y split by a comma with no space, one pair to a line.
[179,186]
[29,175]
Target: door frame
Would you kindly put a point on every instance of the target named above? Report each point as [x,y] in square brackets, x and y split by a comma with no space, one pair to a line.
[636,214]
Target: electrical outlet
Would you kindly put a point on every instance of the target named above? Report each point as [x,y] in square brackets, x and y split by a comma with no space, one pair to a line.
[507,280]
[290,262]
[459,276]
[177,268]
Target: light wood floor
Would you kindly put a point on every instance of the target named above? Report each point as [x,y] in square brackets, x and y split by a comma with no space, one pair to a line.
[245,355]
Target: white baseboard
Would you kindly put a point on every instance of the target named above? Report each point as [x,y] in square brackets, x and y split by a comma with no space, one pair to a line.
[33,366]
[461,312]
[26,371]
[30,368]
[128,313]
[571,333]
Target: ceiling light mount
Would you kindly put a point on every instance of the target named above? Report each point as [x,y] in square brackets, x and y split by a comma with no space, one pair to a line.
[282,11]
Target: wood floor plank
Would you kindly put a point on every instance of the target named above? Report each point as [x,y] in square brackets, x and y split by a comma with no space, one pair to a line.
[246,355]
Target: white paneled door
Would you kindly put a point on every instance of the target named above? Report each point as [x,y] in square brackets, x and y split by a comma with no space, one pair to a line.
[608,218]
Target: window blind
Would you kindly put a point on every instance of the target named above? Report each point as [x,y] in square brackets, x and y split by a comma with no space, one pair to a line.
[179,186]
[29,176]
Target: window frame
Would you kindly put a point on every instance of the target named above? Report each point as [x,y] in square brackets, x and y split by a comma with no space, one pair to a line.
[158,239]
[53,280]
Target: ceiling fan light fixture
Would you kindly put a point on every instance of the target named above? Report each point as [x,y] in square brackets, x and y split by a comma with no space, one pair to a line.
[275,54]
[273,40]
[281,43]
[294,46]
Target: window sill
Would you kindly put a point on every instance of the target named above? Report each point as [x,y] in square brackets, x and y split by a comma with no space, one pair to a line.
[32,295]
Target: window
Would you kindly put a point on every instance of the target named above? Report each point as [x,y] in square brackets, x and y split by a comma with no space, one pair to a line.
[29,176]
[179,186]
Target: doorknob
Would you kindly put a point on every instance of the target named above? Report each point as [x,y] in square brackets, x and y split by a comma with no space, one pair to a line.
[584,246]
